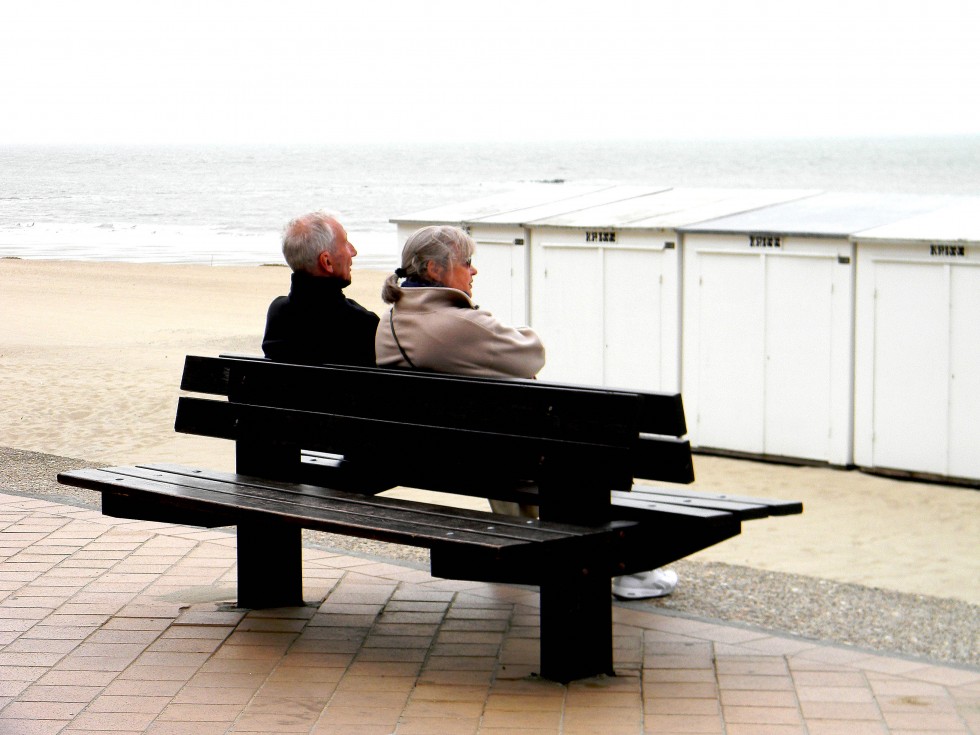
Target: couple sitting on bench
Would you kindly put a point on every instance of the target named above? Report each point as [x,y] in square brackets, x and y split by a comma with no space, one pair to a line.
[432,325]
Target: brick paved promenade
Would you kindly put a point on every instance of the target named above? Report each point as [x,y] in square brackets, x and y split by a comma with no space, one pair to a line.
[118,626]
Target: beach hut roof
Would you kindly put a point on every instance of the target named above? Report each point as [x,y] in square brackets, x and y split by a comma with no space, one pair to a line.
[803,212]
[668,209]
[571,205]
[830,214]
[695,207]
[501,203]
[959,221]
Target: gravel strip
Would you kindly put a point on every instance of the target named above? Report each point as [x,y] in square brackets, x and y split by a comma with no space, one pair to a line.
[942,630]
[867,617]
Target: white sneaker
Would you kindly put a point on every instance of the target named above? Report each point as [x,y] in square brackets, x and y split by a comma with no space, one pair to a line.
[655,583]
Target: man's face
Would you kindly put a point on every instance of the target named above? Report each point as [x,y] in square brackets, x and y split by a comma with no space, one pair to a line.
[338,262]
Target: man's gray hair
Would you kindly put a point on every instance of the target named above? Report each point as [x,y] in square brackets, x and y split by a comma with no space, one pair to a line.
[439,244]
[305,238]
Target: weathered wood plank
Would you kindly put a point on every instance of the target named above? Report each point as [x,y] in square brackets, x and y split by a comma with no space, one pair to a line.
[384,519]
[656,413]
[696,498]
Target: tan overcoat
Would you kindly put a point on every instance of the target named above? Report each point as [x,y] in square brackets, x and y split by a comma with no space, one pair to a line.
[441,329]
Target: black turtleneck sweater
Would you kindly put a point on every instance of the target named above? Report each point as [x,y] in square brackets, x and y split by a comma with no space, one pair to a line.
[317,325]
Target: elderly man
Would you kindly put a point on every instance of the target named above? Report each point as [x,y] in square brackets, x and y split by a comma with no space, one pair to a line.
[316,324]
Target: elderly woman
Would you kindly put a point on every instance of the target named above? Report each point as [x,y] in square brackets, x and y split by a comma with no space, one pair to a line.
[434,325]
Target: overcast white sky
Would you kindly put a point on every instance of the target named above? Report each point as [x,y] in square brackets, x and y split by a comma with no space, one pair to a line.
[323,71]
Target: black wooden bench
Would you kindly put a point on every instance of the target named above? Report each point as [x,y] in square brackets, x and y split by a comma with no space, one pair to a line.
[313,445]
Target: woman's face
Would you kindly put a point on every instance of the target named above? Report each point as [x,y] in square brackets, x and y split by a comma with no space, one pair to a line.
[457,275]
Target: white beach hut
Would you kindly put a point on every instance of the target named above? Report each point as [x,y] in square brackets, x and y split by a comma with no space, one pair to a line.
[503,243]
[502,253]
[605,284]
[768,313]
[917,367]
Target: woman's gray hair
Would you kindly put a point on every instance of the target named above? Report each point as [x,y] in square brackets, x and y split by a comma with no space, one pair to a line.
[440,244]
[305,238]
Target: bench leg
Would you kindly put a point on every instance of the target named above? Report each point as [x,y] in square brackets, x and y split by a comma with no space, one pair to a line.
[270,565]
[576,628]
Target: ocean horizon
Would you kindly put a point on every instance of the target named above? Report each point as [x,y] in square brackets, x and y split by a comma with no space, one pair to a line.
[227,205]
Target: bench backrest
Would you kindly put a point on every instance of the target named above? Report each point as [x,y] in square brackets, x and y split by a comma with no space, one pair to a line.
[477,436]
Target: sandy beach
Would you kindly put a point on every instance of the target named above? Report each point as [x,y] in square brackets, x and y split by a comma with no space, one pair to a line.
[91,355]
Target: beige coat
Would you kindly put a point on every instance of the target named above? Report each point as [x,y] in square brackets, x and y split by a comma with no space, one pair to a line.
[440,329]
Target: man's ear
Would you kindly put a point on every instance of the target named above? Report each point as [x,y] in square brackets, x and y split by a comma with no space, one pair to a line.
[325,263]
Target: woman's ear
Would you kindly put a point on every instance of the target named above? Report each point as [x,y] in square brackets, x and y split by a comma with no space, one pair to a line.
[434,272]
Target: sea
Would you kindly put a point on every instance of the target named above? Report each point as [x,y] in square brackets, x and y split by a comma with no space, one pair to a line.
[227,205]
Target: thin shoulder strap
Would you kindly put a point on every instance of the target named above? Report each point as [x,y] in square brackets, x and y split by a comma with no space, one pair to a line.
[391,323]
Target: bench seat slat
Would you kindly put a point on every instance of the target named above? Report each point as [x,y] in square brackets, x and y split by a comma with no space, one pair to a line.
[773,506]
[745,511]
[512,526]
[674,511]
[332,514]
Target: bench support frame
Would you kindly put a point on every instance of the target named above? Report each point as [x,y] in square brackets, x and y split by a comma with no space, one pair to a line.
[270,565]
[566,449]
[576,628]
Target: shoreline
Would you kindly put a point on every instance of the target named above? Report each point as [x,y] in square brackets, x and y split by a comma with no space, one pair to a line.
[189,264]
[385,266]
[151,243]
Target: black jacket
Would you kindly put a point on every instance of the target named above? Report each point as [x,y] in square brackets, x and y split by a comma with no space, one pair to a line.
[316,324]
